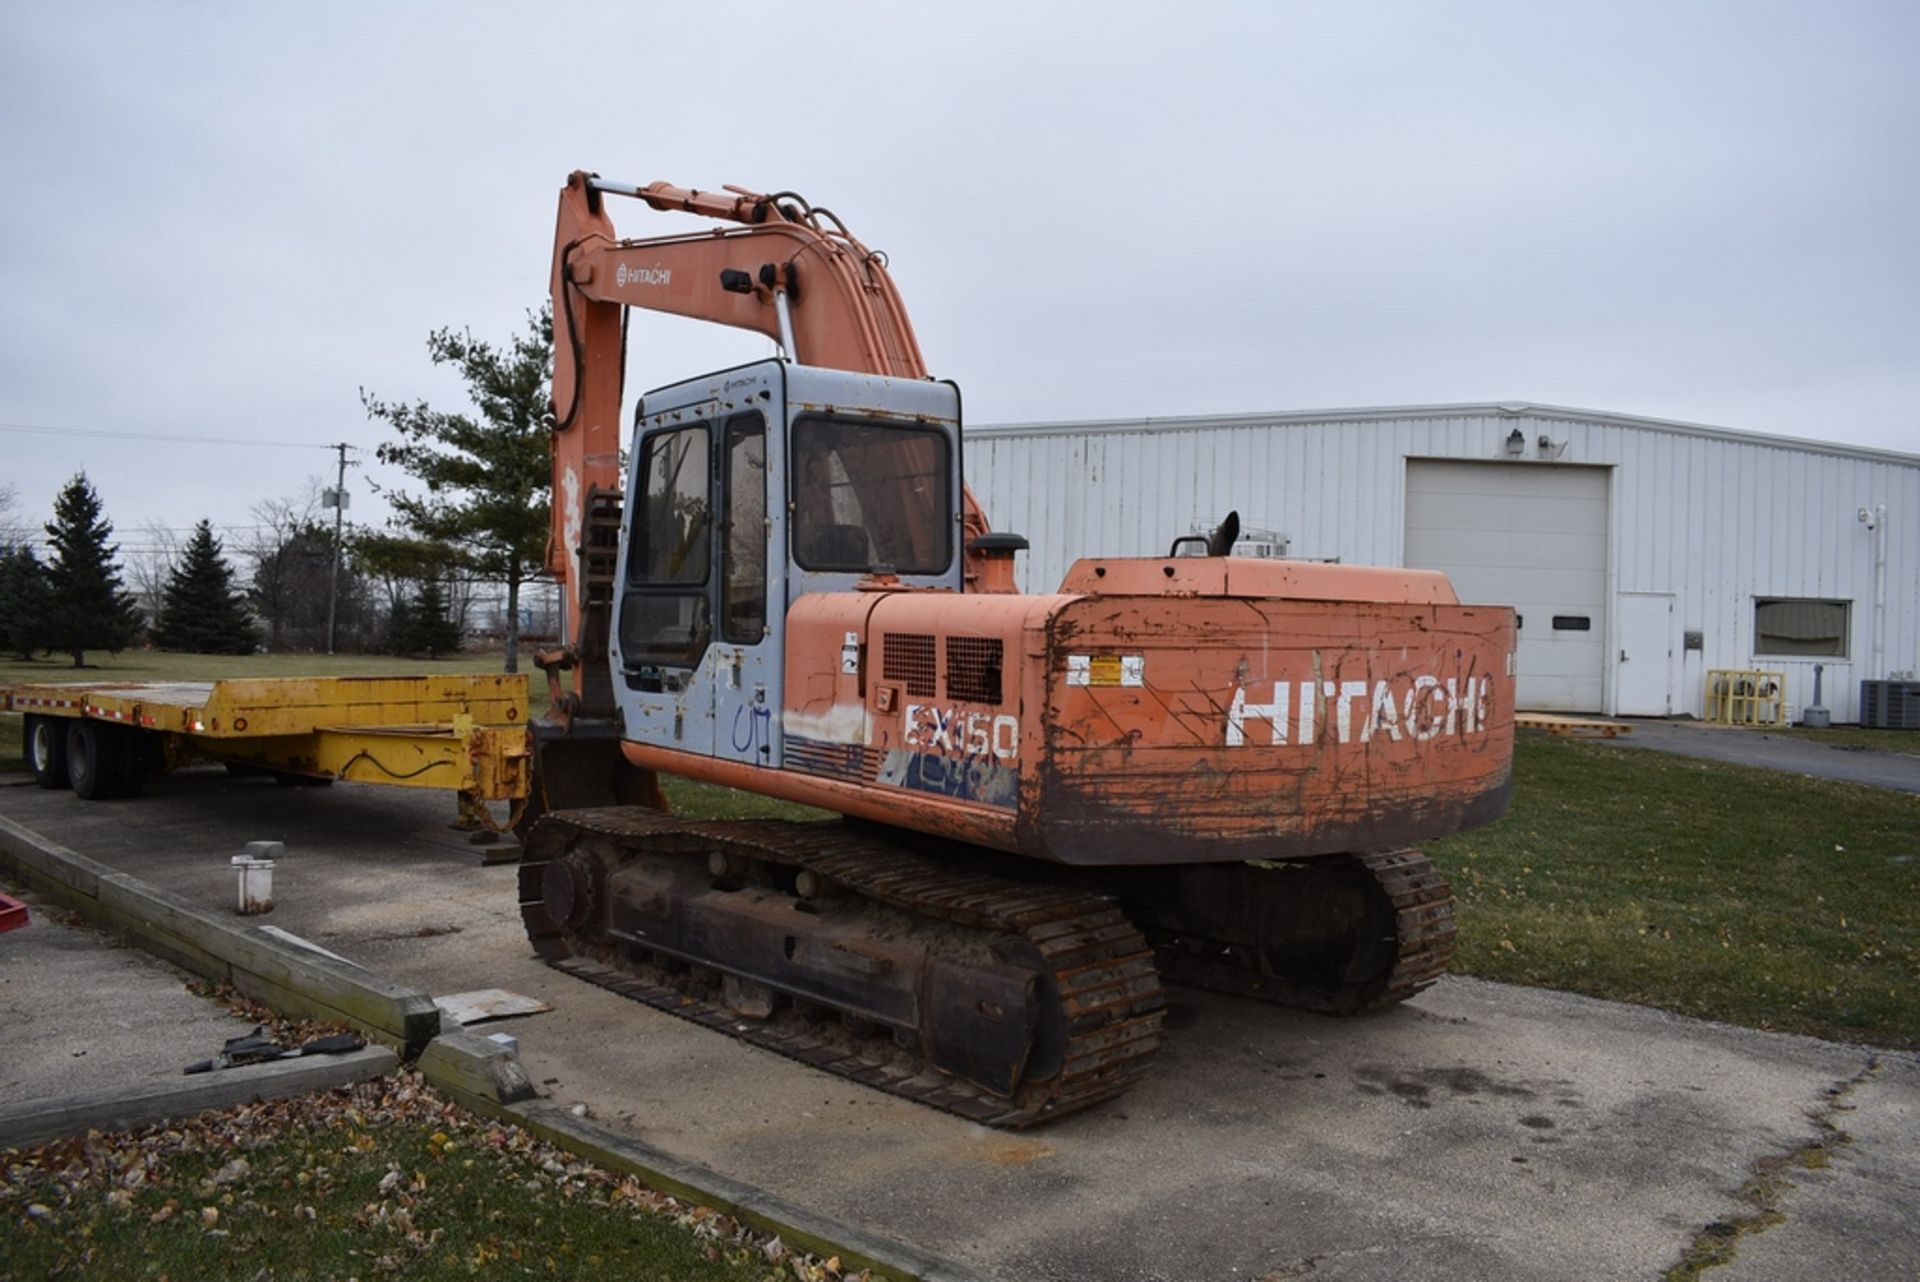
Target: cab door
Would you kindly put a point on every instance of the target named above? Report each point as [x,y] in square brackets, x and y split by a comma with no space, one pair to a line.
[663,634]
[696,646]
[749,632]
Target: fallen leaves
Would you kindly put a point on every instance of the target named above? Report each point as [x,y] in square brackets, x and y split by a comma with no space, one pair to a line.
[235,1179]
[235,1170]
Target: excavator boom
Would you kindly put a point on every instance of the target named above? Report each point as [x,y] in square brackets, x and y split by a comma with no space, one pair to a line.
[785,270]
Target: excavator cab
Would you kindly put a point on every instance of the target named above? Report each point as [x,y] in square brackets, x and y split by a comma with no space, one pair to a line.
[750,488]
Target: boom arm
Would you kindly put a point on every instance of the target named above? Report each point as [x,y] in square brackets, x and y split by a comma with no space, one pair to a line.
[786,270]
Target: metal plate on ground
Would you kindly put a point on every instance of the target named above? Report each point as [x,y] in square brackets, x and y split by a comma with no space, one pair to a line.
[483,1004]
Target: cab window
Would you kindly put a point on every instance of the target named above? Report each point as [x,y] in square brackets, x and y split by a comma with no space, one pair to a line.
[868,496]
[664,619]
[670,529]
[743,586]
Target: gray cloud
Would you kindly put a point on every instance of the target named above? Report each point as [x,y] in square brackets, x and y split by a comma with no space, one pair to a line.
[224,219]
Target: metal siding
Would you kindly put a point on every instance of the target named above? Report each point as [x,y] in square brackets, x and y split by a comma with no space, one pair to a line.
[1712,517]
[1832,498]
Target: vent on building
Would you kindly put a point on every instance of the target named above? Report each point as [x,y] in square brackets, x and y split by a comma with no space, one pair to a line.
[973,669]
[907,657]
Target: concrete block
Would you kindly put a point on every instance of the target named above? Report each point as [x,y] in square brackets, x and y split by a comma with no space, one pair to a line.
[35,1121]
[475,1069]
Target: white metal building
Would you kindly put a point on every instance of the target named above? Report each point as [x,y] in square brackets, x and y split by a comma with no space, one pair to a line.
[1639,553]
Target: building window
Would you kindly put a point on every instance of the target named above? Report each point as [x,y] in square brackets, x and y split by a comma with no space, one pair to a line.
[1795,627]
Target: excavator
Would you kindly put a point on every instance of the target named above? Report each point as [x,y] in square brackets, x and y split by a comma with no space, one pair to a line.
[1199,769]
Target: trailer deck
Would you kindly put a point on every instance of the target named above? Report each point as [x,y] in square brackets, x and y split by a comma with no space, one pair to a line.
[464,733]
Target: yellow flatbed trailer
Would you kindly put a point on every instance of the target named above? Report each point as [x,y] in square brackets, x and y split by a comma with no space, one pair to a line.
[465,733]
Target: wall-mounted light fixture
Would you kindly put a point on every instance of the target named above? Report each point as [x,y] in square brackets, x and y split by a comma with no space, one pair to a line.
[1516,442]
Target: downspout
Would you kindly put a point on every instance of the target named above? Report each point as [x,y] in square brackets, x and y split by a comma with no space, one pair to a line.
[1875,519]
[1880,592]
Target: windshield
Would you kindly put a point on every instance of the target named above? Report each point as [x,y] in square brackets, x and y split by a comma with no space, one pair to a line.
[869,496]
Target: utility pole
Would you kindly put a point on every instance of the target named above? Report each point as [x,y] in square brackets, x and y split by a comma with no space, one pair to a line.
[336,498]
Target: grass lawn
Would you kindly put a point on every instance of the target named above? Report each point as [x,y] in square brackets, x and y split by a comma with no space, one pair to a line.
[1738,894]
[710,801]
[1905,742]
[381,1179]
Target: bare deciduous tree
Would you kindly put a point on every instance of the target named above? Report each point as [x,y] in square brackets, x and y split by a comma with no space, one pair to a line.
[13,532]
[291,551]
[149,568]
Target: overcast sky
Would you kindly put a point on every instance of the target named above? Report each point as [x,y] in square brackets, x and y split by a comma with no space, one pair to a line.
[222,220]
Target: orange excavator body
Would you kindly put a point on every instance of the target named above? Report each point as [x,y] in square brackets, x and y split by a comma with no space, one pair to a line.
[793,593]
[1232,709]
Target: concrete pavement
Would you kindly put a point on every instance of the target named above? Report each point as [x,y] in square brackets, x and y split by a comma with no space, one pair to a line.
[80,1012]
[1480,1131]
[1851,1217]
[94,1035]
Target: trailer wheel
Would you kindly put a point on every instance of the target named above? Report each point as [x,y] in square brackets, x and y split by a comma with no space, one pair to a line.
[129,746]
[93,760]
[47,751]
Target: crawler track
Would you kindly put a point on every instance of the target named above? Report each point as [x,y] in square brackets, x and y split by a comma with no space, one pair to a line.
[1338,936]
[1098,994]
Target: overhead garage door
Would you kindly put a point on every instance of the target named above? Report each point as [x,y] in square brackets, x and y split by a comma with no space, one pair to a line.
[1532,536]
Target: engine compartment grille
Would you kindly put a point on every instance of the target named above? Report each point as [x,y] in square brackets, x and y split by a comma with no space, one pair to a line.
[974,669]
[908,657]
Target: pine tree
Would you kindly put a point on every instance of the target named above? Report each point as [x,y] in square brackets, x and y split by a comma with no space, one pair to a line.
[421,625]
[87,607]
[402,628]
[23,601]
[435,633]
[487,474]
[203,613]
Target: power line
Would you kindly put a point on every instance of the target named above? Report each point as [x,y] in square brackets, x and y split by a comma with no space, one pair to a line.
[169,438]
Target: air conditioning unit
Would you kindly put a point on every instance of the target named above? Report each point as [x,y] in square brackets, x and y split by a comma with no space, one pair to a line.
[1890,705]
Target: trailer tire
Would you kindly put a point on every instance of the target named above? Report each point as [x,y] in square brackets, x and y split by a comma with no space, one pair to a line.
[130,750]
[87,766]
[93,760]
[47,751]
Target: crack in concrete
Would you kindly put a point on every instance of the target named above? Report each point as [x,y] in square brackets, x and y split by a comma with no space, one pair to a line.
[1766,1187]
[1307,1264]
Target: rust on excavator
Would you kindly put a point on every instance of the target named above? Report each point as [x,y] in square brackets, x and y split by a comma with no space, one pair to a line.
[1264,728]
[1200,768]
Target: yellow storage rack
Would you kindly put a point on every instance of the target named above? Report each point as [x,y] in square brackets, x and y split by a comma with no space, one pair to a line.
[1746,697]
